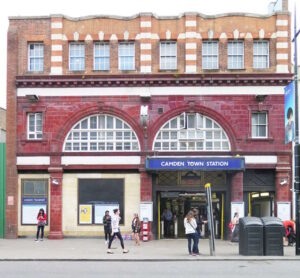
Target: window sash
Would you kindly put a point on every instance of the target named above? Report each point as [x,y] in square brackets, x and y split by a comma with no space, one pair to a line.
[168,55]
[210,55]
[235,55]
[34,126]
[126,56]
[77,57]
[101,56]
[261,54]
[259,125]
[35,57]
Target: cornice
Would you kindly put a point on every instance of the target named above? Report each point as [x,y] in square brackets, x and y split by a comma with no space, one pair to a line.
[152,80]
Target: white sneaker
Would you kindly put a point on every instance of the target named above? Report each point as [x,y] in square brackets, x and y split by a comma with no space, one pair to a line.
[106,242]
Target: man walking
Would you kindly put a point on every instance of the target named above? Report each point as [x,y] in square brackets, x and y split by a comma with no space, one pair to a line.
[116,231]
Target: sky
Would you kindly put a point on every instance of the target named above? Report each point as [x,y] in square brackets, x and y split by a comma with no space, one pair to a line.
[77,8]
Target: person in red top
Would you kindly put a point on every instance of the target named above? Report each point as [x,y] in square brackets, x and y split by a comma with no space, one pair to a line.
[41,222]
[289,226]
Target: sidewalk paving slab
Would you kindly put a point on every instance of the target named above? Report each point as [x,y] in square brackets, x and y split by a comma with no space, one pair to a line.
[94,249]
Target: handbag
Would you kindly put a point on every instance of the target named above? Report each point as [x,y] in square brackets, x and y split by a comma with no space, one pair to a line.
[41,223]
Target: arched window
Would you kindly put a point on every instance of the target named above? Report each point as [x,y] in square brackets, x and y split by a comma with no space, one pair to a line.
[191,132]
[101,133]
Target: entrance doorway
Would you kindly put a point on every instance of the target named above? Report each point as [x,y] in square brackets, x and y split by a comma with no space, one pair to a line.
[179,204]
[261,204]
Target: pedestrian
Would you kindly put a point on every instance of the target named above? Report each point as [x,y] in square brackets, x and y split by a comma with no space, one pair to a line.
[289,226]
[199,222]
[167,217]
[107,226]
[235,227]
[136,228]
[41,222]
[190,226]
[115,220]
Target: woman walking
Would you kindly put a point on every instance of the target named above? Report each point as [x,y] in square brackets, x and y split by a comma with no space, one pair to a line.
[136,228]
[190,226]
[116,231]
[41,222]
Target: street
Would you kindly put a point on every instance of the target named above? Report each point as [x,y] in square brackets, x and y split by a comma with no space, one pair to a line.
[148,269]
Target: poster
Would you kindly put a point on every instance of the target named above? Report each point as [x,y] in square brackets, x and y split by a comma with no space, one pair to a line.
[289,110]
[284,210]
[237,207]
[146,211]
[100,211]
[85,214]
[30,212]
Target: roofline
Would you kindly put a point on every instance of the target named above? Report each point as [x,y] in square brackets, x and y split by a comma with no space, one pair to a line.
[148,14]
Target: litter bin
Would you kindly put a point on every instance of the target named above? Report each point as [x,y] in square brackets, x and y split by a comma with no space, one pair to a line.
[251,236]
[273,234]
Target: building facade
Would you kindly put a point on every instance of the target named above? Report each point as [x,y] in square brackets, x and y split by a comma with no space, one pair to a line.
[139,113]
[2,169]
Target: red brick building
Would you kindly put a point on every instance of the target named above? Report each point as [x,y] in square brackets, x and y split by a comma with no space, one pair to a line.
[140,112]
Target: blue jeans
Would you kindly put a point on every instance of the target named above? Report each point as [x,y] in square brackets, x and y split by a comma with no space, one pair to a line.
[191,237]
[196,242]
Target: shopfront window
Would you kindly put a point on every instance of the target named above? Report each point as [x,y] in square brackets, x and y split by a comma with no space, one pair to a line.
[95,196]
[101,133]
[191,132]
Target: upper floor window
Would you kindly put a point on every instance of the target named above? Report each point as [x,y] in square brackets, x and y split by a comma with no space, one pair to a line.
[261,54]
[34,125]
[191,132]
[235,55]
[35,57]
[259,125]
[101,56]
[101,133]
[210,55]
[126,56]
[168,55]
[77,57]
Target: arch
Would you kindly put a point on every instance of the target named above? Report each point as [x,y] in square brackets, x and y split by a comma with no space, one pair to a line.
[77,116]
[218,118]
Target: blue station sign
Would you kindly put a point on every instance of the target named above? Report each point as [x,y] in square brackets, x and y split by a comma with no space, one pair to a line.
[27,200]
[195,163]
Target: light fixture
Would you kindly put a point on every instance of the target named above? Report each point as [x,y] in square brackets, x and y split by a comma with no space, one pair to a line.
[256,195]
[264,194]
[33,98]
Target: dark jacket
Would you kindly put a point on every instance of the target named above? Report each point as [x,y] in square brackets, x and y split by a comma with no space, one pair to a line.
[107,223]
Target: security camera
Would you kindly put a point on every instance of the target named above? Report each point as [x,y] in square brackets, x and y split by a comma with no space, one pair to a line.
[283,182]
[55,182]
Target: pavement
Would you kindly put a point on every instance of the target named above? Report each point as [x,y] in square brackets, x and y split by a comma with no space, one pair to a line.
[94,249]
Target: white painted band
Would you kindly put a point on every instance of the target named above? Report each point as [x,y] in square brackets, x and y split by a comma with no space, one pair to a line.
[282,45]
[33,160]
[56,70]
[56,25]
[282,69]
[146,46]
[281,56]
[56,47]
[190,69]
[190,23]
[136,91]
[282,22]
[282,34]
[190,35]
[191,45]
[145,23]
[145,35]
[56,36]
[146,69]
[100,160]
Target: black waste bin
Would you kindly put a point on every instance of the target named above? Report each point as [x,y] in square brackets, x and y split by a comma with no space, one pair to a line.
[251,236]
[273,236]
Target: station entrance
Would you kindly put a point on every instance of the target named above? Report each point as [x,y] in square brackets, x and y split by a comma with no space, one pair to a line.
[178,192]
[180,203]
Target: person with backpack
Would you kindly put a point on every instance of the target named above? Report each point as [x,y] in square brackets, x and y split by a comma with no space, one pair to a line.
[115,220]
[41,222]
[107,226]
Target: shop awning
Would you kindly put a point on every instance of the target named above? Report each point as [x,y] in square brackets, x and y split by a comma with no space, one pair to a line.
[195,163]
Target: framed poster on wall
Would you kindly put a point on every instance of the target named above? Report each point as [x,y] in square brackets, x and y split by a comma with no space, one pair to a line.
[238,207]
[146,211]
[85,214]
[100,211]
[284,210]
[30,212]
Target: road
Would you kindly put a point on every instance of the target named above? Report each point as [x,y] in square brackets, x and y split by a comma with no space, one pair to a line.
[186,269]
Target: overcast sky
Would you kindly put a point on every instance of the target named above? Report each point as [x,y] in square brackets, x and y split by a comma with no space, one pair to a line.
[77,8]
